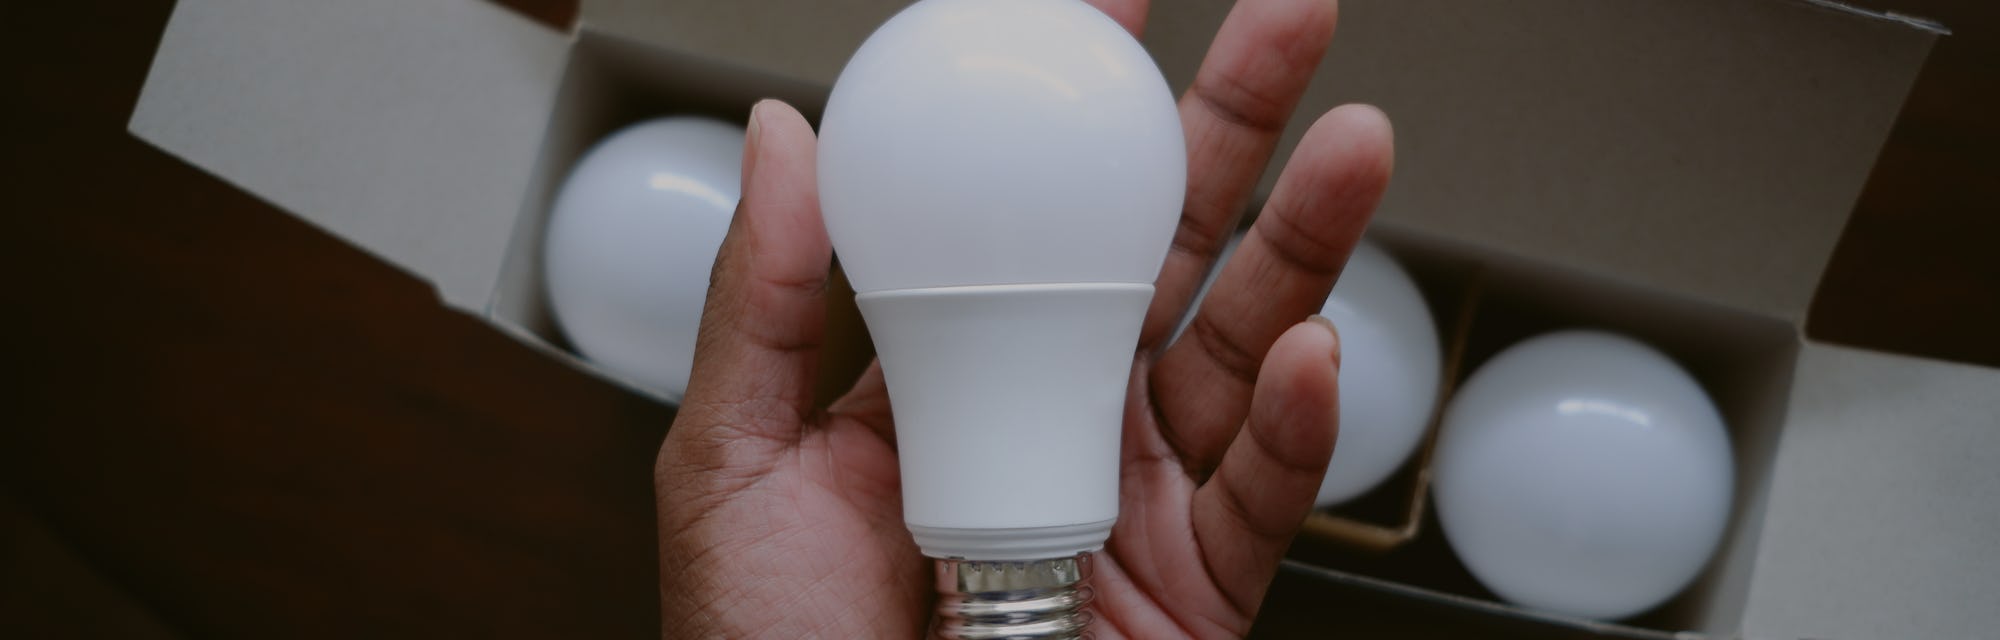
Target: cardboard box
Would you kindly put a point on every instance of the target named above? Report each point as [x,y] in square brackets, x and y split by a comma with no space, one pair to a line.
[1679,169]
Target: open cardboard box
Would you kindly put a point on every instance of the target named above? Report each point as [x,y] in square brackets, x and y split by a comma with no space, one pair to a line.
[1678,169]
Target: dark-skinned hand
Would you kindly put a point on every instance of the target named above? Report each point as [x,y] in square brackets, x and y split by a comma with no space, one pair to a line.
[777,520]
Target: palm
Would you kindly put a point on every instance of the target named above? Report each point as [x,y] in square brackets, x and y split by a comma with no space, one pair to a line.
[780,521]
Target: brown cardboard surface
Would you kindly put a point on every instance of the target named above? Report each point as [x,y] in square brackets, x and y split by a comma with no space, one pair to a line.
[1707,147]
[807,40]
[1883,515]
[407,128]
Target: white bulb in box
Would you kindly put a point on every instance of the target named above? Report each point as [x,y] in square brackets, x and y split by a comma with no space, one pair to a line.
[1583,472]
[631,237]
[1389,368]
[1390,362]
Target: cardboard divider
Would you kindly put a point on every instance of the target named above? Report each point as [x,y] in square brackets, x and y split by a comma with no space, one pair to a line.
[1392,513]
[1742,360]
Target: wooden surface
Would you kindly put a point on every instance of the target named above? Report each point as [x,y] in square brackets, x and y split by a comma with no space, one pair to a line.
[1917,270]
[254,429]
[222,422]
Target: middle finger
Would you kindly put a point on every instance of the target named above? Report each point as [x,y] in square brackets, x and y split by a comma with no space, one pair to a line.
[1255,72]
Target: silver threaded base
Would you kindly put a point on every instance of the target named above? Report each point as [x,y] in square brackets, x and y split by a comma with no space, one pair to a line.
[1016,600]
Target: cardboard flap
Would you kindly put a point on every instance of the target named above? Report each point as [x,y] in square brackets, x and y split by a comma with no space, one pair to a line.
[1882,514]
[808,41]
[405,126]
[1709,147]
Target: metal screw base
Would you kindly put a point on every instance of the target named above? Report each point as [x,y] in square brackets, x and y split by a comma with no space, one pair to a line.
[1017,600]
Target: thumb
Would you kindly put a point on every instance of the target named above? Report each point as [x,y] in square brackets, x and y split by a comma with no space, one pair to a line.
[760,333]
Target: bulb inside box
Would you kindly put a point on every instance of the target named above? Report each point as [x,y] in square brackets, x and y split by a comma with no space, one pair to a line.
[1741,359]
[611,85]
[632,234]
[1622,482]
[1389,371]
[1391,360]
[1582,472]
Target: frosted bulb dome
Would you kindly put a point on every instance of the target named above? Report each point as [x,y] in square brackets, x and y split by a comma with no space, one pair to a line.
[1389,362]
[631,238]
[1000,142]
[1584,473]
[1000,180]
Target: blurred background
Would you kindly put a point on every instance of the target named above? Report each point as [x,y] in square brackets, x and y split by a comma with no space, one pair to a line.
[223,421]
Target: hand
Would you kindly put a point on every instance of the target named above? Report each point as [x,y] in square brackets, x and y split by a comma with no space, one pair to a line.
[779,521]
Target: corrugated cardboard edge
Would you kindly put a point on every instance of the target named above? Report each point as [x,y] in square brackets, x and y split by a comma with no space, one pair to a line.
[1486,607]
[1925,24]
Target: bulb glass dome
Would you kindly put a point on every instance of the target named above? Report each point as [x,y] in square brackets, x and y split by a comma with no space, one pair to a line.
[1000,142]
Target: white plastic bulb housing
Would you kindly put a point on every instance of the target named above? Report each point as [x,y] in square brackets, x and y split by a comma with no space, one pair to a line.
[1389,369]
[1585,473]
[1000,180]
[631,236]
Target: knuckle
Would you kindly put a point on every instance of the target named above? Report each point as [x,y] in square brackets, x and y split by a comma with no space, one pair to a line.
[1225,349]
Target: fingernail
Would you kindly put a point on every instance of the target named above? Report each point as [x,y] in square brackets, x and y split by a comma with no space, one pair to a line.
[1331,330]
[750,134]
[1324,322]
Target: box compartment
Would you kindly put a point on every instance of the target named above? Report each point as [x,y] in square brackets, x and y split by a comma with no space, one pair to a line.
[608,83]
[1744,362]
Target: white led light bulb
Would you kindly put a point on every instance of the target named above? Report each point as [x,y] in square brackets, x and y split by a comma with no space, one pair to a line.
[1585,473]
[630,240]
[1001,179]
[1389,370]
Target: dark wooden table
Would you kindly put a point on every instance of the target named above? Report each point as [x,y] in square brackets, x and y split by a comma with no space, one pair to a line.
[221,421]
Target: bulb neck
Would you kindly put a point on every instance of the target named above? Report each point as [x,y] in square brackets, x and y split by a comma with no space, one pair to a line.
[1009,403]
[1030,599]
